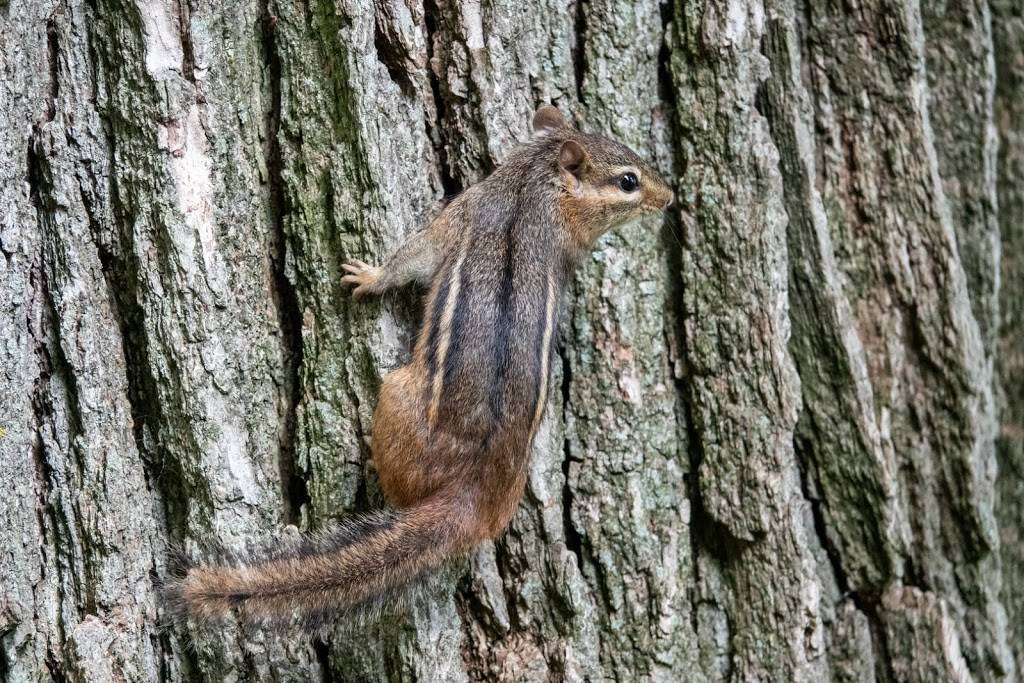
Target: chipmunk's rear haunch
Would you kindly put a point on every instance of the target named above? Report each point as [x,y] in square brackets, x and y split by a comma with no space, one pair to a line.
[360,567]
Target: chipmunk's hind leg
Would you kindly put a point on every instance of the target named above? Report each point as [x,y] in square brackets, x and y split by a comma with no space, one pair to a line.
[400,440]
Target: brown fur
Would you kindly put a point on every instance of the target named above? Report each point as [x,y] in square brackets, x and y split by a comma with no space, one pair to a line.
[453,429]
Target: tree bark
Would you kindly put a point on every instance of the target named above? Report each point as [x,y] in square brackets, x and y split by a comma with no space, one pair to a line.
[789,441]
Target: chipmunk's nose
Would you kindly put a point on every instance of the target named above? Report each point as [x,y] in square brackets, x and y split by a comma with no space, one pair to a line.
[671,200]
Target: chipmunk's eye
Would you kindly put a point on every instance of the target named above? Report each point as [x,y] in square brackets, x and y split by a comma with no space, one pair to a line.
[628,182]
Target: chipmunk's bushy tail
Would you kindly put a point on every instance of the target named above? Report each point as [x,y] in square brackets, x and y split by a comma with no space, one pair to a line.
[357,568]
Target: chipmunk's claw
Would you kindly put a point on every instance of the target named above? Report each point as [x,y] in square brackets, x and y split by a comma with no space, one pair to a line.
[361,275]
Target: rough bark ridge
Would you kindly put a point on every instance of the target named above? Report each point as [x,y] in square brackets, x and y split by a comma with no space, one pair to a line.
[789,442]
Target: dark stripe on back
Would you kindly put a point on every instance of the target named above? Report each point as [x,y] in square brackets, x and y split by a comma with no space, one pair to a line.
[503,330]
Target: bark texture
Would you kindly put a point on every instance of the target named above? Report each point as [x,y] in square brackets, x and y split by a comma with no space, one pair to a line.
[789,441]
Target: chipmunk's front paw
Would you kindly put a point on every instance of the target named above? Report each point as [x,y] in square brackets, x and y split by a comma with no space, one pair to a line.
[361,275]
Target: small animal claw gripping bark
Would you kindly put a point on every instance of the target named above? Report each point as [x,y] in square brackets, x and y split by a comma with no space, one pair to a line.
[453,429]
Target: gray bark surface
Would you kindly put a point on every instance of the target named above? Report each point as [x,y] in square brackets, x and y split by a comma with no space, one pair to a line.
[789,438]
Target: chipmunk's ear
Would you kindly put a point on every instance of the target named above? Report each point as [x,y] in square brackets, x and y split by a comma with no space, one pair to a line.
[547,119]
[573,161]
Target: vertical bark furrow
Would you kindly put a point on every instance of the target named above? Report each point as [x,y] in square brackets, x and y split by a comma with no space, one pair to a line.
[294,487]
[192,249]
[27,606]
[927,375]
[353,188]
[93,612]
[579,54]
[624,452]
[743,384]
[837,434]
[103,551]
[436,118]
[961,87]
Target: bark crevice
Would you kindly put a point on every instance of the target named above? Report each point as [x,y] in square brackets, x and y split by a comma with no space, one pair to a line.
[436,120]
[323,658]
[866,604]
[391,54]
[573,539]
[295,490]
[52,57]
[49,362]
[579,52]
[188,55]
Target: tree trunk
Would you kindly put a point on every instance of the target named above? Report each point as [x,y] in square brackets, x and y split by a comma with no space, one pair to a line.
[789,441]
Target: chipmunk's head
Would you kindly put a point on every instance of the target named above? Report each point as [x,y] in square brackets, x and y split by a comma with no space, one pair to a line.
[603,183]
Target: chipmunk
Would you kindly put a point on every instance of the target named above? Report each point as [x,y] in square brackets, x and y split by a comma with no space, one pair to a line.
[453,429]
